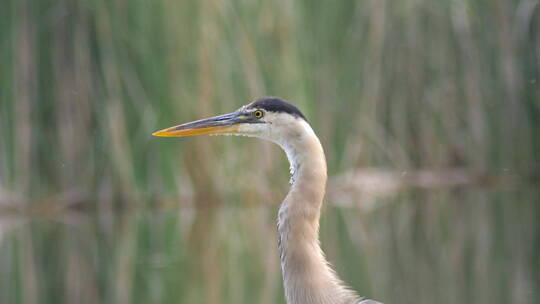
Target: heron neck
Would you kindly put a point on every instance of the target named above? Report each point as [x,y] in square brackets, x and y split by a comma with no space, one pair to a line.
[306,274]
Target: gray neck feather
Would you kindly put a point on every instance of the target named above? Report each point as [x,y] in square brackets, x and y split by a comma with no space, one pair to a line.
[307,276]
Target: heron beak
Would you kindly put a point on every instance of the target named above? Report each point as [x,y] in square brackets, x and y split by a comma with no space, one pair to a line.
[221,124]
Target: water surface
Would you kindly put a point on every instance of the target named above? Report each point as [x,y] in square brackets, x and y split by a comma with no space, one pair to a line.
[463,245]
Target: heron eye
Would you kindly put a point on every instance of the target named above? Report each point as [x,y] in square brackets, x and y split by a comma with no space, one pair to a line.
[258,114]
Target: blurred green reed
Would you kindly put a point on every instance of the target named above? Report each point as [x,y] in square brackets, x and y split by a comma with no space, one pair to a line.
[396,84]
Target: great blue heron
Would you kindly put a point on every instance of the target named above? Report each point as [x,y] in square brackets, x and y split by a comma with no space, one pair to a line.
[307,276]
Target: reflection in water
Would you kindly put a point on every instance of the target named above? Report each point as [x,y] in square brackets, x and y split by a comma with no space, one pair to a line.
[440,246]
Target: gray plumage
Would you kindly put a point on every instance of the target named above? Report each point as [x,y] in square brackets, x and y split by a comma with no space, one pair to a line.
[307,276]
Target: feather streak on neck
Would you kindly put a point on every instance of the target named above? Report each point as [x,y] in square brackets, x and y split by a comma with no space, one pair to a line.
[306,274]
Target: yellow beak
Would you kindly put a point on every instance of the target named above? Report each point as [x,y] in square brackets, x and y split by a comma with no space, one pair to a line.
[222,124]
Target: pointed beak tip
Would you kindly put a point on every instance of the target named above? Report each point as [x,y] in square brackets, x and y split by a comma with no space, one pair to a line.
[164,133]
[157,133]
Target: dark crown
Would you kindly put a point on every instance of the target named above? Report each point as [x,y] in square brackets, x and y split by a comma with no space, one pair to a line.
[276,104]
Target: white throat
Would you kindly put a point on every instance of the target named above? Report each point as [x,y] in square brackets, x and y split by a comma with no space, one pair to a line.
[296,148]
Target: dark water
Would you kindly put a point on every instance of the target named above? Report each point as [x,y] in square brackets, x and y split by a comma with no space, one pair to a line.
[445,246]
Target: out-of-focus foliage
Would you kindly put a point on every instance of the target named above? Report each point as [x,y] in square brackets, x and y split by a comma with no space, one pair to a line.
[428,247]
[397,84]
[443,86]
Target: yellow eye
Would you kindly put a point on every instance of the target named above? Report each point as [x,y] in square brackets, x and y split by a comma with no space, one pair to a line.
[258,114]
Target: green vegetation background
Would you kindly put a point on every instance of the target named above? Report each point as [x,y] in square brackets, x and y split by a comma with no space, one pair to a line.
[394,85]
[401,85]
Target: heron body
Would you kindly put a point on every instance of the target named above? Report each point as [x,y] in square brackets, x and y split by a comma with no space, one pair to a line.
[307,276]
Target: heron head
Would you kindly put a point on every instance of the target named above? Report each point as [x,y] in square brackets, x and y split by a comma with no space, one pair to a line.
[269,118]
